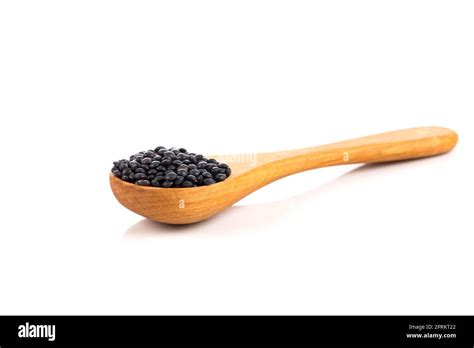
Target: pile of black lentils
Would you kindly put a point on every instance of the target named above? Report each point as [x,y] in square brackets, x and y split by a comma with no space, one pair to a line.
[171,167]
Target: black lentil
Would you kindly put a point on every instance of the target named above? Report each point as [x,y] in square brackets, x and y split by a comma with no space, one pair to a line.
[192,178]
[146,160]
[170,167]
[140,176]
[171,176]
[167,184]
[220,177]
[187,184]
[179,180]
[208,181]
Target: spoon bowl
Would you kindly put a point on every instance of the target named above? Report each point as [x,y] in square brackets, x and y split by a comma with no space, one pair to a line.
[193,204]
[253,171]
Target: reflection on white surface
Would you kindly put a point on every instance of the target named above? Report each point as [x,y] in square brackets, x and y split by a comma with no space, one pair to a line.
[239,219]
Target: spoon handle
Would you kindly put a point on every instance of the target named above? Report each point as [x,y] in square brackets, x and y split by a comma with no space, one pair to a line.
[385,147]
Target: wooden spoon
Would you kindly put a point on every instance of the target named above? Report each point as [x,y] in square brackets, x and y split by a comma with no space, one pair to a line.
[253,171]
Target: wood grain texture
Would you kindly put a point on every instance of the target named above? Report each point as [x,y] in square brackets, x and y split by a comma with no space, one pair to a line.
[253,171]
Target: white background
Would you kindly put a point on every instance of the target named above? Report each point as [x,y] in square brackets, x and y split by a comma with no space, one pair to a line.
[83,83]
